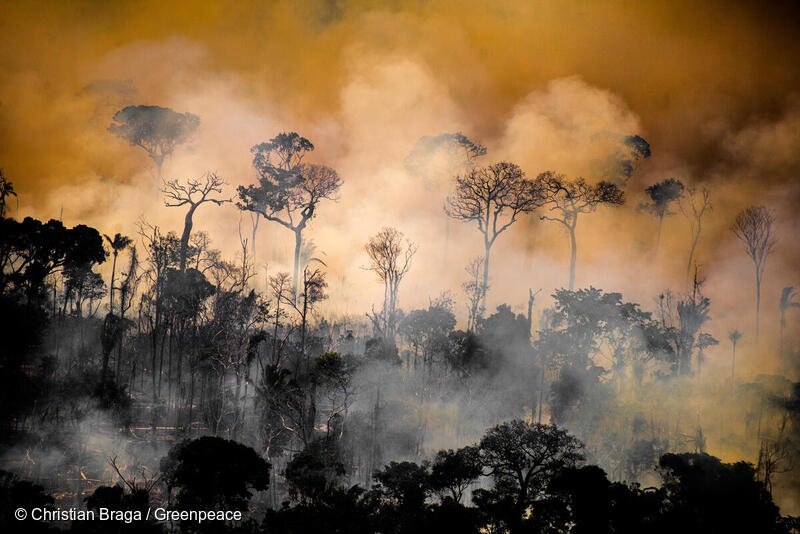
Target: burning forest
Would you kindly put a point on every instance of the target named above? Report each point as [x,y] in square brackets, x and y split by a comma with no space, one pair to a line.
[341,267]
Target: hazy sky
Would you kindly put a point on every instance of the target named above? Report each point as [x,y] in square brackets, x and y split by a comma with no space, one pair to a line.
[713,87]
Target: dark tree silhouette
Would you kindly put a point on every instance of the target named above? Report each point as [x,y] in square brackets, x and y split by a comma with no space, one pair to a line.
[523,458]
[193,194]
[156,130]
[660,196]
[568,199]
[454,471]
[753,226]
[117,244]
[493,198]
[214,473]
[32,250]
[288,191]
[6,191]
[390,259]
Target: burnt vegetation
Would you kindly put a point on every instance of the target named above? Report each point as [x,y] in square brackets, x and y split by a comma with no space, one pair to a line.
[179,381]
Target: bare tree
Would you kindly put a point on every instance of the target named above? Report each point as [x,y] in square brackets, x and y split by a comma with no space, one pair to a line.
[493,198]
[568,199]
[156,130]
[474,290]
[289,191]
[194,193]
[694,206]
[753,226]
[390,259]
[660,196]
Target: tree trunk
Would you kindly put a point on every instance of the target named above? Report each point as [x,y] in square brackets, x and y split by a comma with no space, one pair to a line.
[758,301]
[187,230]
[298,242]
[111,286]
[487,251]
[573,256]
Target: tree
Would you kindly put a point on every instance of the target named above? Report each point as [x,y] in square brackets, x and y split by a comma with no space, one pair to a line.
[6,191]
[288,191]
[734,335]
[523,458]
[698,205]
[493,198]
[706,495]
[390,260]
[454,471]
[32,250]
[568,199]
[660,196]
[193,193]
[156,130]
[117,244]
[753,226]
[474,290]
[214,473]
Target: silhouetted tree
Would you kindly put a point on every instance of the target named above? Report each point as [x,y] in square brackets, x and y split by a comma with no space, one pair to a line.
[523,458]
[390,260]
[212,473]
[660,196]
[493,198]
[6,191]
[117,244]
[193,194]
[753,226]
[156,130]
[568,199]
[288,191]
[454,471]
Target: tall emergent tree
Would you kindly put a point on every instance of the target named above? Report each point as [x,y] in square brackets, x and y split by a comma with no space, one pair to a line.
[193,193]
[288,191]
[493,198]
[660,196]
[753,226]
[156,130]
[118,243]
[568,199]
[390,259]
[698,204]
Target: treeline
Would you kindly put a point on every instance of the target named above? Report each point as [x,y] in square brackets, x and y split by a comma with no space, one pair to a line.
[524,477]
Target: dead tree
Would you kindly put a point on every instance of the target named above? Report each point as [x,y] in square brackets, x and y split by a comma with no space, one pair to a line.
[390,259]
[753,226]
[569,198]
[493,198]
[694,206]
[194,193]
